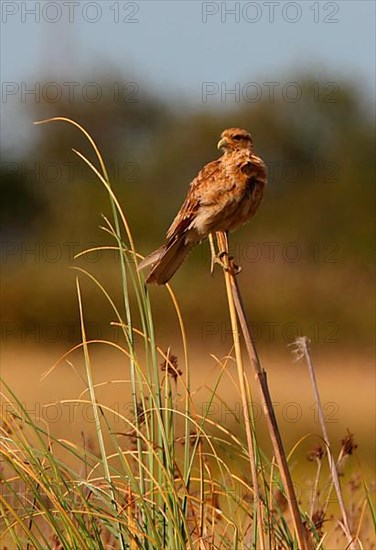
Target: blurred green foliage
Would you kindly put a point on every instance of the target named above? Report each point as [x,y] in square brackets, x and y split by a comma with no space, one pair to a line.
[320,198]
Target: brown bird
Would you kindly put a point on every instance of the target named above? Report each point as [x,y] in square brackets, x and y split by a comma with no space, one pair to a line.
[225,194]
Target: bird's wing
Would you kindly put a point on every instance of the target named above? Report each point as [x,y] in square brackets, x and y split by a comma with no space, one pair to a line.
[204,180]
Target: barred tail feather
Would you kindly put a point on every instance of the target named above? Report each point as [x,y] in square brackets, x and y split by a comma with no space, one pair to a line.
[166,260]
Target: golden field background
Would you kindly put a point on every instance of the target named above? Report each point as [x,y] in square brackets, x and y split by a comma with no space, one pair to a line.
[346,385]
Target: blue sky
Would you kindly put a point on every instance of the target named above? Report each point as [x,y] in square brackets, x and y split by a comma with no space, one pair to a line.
[175,47]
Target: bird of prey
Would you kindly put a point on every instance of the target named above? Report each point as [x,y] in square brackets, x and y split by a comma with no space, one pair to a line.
[224,195]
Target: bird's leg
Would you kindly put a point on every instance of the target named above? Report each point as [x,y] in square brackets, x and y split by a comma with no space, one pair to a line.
[216,258]
[213,254]
[225,260]
[222,258]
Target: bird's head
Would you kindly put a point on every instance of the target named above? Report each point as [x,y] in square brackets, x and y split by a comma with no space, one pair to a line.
[235,139]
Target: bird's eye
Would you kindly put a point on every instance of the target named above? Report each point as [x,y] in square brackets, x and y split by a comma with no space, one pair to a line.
[238,137]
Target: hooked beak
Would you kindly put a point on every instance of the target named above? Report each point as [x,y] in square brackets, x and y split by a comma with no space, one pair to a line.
[222,143]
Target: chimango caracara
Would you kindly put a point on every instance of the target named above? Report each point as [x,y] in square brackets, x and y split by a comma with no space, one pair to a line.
[225,194]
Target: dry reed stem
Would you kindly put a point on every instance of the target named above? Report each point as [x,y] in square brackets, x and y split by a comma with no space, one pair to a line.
[243,393]
[302,350]
[261,378]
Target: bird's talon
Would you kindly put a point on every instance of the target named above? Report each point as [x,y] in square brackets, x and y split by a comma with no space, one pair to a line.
[229,266]
[218,259]
[237,269]
[233,268]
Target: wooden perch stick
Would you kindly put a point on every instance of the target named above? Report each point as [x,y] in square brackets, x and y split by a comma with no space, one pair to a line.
[233,294]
